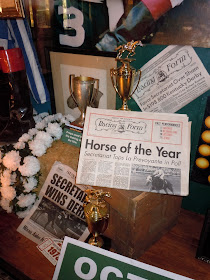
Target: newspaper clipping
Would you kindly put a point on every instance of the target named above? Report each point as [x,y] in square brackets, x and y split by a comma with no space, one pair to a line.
[51,249]
[171,80]
[59,210]
[135,151]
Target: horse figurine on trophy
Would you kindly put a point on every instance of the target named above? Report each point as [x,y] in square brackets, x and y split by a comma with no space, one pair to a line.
[123,77]
[130,47]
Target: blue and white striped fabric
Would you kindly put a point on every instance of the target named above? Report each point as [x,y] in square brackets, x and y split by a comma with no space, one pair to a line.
[16,33]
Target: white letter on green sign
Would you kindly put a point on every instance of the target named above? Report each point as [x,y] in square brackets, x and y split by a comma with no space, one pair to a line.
[92,271]
[108,269]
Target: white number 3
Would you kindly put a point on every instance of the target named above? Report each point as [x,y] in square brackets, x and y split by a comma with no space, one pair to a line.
[76,23]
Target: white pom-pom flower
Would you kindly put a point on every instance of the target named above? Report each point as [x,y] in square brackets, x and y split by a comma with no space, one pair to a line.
[32,131]
[37,119]
[20,145]
[54,130]
[37,147]
[30,167]
[8,193]
[29,184]
[58,116]
[5,204]
[6,178]
[50,118]
[41,125]
[24,138]
[45,138]
[12,160]
[26,200]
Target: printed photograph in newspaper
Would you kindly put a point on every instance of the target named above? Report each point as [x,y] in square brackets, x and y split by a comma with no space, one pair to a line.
[159,179]
[59,211]
[57,221]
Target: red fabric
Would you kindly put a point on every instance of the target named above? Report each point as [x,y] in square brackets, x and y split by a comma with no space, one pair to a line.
[12,60]
[1,48]
[157,8]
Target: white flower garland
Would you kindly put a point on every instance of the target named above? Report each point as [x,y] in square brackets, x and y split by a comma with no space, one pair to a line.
[20,166]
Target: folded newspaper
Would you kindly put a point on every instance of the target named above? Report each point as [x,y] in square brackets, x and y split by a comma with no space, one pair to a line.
[135,151]
[171,80]
[59,211]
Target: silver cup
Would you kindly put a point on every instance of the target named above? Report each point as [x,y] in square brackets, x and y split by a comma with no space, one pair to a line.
[83,92]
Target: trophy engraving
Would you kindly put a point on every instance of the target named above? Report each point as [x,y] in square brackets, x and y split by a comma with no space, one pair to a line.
[97,215]
[84,94]
[123,77]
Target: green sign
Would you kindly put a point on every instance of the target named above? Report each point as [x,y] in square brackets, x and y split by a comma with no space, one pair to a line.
[79,260]
[72,136]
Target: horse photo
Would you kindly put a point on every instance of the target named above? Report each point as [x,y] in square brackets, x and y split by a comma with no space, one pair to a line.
[159,185]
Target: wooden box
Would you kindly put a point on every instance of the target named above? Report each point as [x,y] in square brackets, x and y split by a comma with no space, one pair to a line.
[137,219]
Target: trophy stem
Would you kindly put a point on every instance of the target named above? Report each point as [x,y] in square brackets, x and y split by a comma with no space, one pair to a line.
[80,120]
[124,106]
[96,240]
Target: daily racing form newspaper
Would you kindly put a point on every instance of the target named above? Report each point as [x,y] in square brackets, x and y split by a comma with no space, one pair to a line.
[135,151]
[171,80]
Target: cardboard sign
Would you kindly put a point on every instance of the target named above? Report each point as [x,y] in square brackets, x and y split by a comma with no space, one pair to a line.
[79,260]
[72,135]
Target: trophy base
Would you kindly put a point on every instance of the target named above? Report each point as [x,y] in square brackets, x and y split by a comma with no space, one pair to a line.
[79,122]
[124,108]
[96,241]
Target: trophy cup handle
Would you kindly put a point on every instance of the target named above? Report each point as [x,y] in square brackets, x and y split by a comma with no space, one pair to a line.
[139,71]
[70,83]
[94,96]
[70,87]
[113,82]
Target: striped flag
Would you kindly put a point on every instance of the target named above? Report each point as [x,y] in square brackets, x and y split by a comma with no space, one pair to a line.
[16,33]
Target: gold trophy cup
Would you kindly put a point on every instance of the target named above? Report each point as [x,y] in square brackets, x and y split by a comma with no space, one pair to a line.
[83,92]
[97,215]
[123,77]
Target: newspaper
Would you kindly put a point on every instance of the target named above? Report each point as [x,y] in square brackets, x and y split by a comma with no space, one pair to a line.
[171,80]
[59,210]
[51,249]
[135,151]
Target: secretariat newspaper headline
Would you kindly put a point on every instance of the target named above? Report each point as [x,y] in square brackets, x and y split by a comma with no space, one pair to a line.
[135,151]
[59,211]
[171,80]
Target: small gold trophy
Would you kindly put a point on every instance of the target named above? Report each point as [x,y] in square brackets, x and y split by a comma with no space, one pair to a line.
[125,74]
[97,215]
